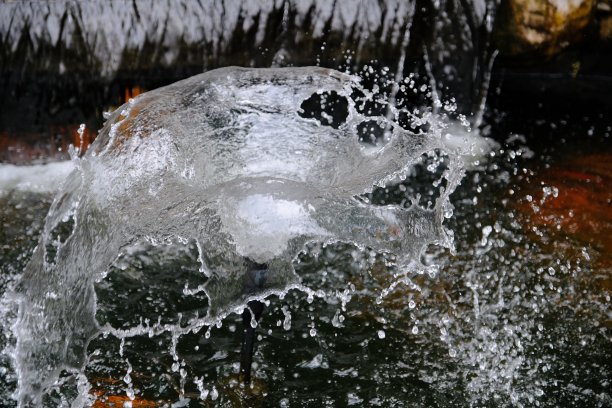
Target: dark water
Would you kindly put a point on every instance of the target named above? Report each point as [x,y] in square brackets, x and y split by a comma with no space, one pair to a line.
[518,316]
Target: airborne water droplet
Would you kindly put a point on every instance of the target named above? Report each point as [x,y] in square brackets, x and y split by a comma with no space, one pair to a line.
[287,320]
[337,319]
[214,394]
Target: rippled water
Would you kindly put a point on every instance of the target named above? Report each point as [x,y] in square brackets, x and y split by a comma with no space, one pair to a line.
[517,315]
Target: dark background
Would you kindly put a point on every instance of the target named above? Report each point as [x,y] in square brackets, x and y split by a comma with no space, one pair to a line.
[64,63]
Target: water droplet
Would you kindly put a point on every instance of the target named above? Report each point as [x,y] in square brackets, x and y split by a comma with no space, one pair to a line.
[381,334]
[287,320]
[585,254]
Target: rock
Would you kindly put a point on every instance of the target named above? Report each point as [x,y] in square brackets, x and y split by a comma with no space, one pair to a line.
[541,27]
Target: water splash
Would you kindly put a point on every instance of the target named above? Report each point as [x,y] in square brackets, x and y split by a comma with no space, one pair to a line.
[235,161]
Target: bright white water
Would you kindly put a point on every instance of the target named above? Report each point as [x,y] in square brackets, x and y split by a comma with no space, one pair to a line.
[239,163]
[39,178]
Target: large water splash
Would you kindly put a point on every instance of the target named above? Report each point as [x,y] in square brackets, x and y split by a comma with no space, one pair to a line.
[238,162]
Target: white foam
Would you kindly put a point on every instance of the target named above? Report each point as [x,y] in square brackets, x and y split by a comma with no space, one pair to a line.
[37,178]
[468,144]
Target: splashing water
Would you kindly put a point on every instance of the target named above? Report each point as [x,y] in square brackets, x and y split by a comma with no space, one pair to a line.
[237,162]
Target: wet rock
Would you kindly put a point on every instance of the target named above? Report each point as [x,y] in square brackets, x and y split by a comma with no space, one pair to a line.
[542,28]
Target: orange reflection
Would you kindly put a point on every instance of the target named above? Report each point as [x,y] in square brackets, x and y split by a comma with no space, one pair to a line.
[132,92]
[573,198]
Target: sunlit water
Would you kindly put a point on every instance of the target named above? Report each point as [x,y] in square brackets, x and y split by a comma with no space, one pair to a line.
[145,251]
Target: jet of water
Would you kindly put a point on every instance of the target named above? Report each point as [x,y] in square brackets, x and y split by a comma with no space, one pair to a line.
[233,160]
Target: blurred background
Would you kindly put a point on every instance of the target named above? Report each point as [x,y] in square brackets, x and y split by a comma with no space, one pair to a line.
[65,62]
